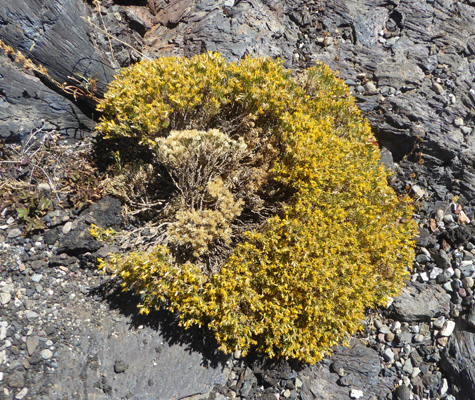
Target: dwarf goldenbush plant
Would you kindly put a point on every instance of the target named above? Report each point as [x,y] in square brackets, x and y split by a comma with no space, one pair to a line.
[281,228]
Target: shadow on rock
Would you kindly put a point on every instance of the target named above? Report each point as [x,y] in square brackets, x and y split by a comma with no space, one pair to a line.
[195,339]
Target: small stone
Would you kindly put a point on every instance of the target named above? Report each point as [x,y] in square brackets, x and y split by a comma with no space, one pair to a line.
[442,341]
[468,282]
[448,219]
[419,338]
[287,393]
[408,368]
[120,366]
[439,323]
[445,387]
[32,343]
[462,218]
[298,383]
[16,380]
[36,277]
[437,87]
[356,394]
[15,232]
[31,315]
[237,354]
[402,393]
[447,286]
[5,298]
[448,328]
[424,277]
[388,355]
[21,394]
[459,122]
[418,191]
[415,371]
[389,337]
[370,87]
[46,354]
[67,227]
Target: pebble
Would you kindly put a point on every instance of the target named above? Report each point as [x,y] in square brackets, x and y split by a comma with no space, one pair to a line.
[468,282]
[287,393]
[32,344]
[408,368]
[389,337]
[438,88]
[5,298]
[448,328]
[16,380]
[459,122]
[439,323]
[21,394]
[370,87]
[388,355]
[356,393]
[298,383]
[36,277]
[15,232]
[31,315]
[120,366]
[402,393]
[46,354]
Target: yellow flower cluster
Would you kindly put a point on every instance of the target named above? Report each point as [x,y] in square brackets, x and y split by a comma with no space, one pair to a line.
[340,243]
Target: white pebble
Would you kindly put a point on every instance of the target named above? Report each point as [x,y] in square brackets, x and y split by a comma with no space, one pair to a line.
[46,354]
[424,276]
[22,393]
[356,394]
[448,328]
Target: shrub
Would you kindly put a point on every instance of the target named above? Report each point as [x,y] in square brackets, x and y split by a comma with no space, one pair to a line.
[281,229]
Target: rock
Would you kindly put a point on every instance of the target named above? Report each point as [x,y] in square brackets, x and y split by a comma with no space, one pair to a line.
[361,362]
[420,302]
[5,298]
[31,315]
[447,329]
[46,354]
[356,393]
[458,362]
[106,213]
[32,343]
[21,394]
[402,393]
[120,367]
[13,233]
[16,380]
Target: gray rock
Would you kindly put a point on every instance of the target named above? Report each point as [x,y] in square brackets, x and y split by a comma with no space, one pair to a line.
[402,393]
[420,302]
[31,315]
[120,366]
[46,354]
[13,233]
[32,343]
[458,362]
[361,362]
[16,380]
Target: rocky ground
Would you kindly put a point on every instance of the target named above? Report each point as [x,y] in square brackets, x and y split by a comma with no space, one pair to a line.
[67,332]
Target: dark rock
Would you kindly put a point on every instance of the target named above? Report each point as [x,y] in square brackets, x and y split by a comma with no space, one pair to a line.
[106,213]
[402,393]
[458,362]
[359,361]
[422,239]
[120,366]
[420,302]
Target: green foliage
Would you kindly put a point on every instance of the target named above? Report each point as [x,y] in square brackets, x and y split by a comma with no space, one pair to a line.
[31,208]
[292,161]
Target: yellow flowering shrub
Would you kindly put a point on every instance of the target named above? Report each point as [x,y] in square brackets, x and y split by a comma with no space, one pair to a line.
[279,171]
